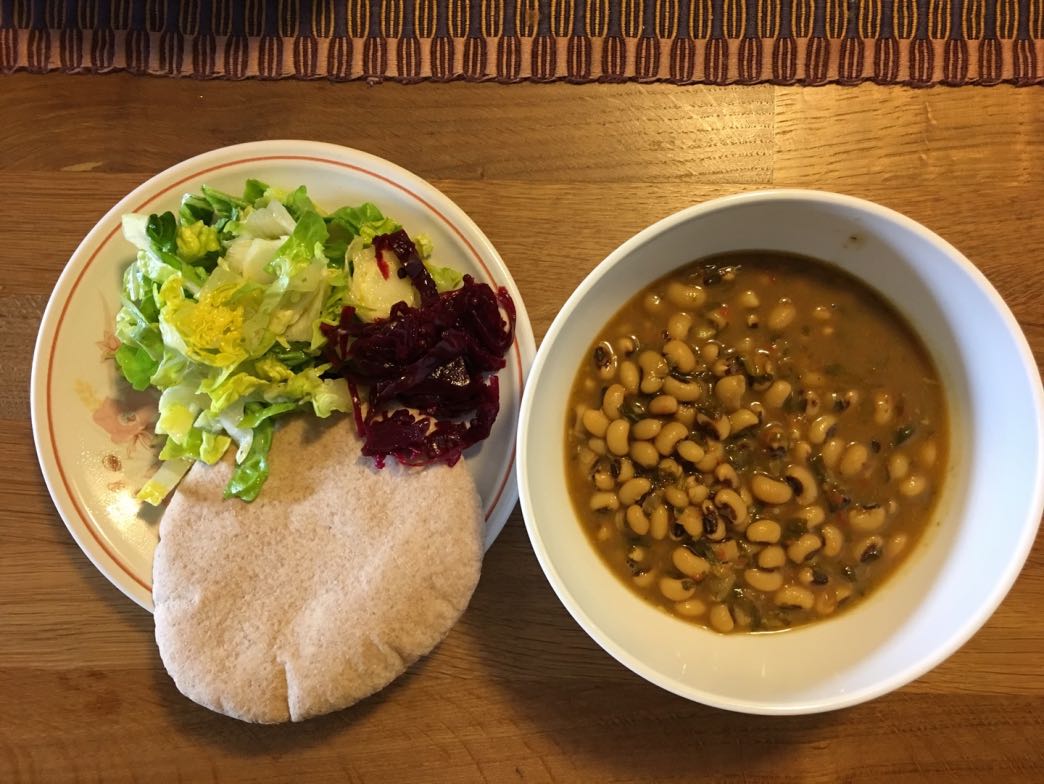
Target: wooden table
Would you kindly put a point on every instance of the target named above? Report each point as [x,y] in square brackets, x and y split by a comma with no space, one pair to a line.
[557,176]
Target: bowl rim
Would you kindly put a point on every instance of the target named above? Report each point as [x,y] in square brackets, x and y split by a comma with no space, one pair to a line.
[919,665]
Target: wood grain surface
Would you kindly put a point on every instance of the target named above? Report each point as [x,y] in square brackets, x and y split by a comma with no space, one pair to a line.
[557,176]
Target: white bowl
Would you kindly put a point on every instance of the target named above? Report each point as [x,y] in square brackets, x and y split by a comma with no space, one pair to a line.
[985,521]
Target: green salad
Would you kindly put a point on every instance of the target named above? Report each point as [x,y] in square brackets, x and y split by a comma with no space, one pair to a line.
[222,312]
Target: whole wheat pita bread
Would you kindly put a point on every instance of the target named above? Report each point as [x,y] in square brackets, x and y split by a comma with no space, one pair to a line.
[321,591]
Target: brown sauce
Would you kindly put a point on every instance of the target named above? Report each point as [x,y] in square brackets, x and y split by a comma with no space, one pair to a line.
[755,441]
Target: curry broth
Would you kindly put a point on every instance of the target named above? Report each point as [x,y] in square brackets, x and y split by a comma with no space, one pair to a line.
[755,441]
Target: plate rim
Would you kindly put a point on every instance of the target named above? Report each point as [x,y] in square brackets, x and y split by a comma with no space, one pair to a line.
[93,542]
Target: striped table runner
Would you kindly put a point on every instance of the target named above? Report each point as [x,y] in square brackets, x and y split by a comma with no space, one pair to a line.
[914,42]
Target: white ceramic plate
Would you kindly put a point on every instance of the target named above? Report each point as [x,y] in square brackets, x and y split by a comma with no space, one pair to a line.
[93,432]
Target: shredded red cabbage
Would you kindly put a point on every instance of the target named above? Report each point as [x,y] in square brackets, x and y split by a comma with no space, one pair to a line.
[431,359]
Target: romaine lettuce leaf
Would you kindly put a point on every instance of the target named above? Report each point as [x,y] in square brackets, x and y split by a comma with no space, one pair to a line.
[252,471]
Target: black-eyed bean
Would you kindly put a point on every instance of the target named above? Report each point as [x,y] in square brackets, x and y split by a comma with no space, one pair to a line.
[604,481]
[718,317]
[913,485]
[813,378]
[636,553]
[697,492]
[671,468]
[812,516]
[690,608]
[617,437]
[898,466]
[595,422]
[727,475]
[781,315]
[626,345]
[646,429]
[883,408]
[764,531]
[625,471]
[709,351]
[826,602]
[684,391]
[691,520]
[842,592]
[833,540]
[831,452]
[745,494]
[645,578]
[644,454]
[637,520]
[714,453]
[650,384]
[689,450]
[770,491]
[713,524]
[804,548]
[679,356]
[663,405]
[761,580]
[802,451]
[742,419]
[629,376]
[654,363]
[677,590]
[612,400]
[603,501]
[802,483]
[821,313]
[853,461]
[809,403]
[731,506]
[864,519]
[718,428]
[895,545]
[772,557]
[727,551]
[748,299]
[586,458]
[927,454]
[820,429]
[721,619]
[806,576]
[690,564]
[685,295]
[678,326]
[632,490]
[669,436]
[776,395]
[676,497]
[653,303]
[686,414]
[730,390]
[658,521]
[794,596]
[597,445]
[868,549]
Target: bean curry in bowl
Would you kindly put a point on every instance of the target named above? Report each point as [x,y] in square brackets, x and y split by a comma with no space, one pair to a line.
[755,441]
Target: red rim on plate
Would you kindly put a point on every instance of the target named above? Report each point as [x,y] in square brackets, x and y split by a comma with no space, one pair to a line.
[88,523]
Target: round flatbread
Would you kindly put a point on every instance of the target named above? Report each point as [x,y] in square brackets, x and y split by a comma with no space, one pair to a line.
[324,589]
